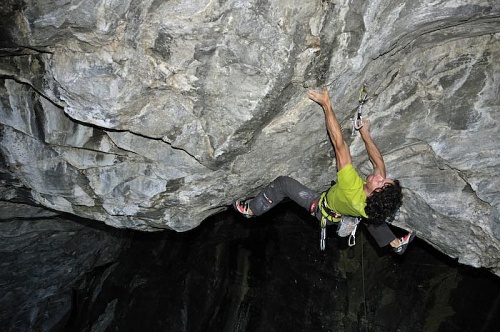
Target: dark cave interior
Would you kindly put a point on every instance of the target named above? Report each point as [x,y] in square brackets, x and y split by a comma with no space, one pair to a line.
[232,274]
[268,274]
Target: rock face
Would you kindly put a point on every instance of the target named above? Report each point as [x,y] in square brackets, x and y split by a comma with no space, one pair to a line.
[43,255]
[156,114]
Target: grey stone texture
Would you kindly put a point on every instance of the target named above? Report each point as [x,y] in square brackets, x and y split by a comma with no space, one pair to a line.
[157,114]
[43,255]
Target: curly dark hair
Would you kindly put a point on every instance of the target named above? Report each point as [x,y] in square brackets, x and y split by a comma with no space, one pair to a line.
[383,203]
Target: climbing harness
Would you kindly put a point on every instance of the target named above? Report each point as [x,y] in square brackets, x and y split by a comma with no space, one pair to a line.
[326,212]
[346,225]
[357,121]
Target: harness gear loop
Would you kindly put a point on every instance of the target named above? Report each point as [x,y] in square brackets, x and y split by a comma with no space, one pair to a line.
[358,118]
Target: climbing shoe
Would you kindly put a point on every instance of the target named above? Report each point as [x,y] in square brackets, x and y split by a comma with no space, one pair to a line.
[242,207]
[405,240]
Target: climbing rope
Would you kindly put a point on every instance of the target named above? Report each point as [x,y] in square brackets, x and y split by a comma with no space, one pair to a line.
[363,280]
[357,121]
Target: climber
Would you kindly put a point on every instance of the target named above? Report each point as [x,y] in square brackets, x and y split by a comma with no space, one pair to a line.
[375,200]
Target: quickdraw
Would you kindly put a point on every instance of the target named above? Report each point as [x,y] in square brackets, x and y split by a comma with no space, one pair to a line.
[357,121]
[322,240]
[326,215]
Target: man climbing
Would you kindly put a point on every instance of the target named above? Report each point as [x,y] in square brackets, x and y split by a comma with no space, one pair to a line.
[376,200]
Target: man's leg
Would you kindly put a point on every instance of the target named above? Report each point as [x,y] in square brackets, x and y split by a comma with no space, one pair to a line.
[277,190]
[384,236]
[381,233]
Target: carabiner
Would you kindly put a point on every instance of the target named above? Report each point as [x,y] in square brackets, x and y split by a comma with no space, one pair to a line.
[357,123]
[358,118]
[352,237]
[322,241]
[363,95]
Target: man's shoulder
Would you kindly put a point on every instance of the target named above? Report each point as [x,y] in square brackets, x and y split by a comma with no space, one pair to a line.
[348,174]
[346,169]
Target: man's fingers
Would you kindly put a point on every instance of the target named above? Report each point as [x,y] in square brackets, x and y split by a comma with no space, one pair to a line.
[313,95]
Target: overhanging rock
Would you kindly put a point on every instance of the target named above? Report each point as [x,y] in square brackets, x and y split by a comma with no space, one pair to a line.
[154,115]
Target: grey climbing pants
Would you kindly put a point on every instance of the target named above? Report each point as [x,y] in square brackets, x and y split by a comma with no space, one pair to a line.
[285,186]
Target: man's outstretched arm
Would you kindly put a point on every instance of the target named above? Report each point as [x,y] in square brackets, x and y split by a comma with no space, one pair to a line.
[342,153]
[373,152]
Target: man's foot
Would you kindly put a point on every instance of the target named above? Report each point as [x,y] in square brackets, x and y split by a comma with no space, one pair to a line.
[405,240]
[242,207]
